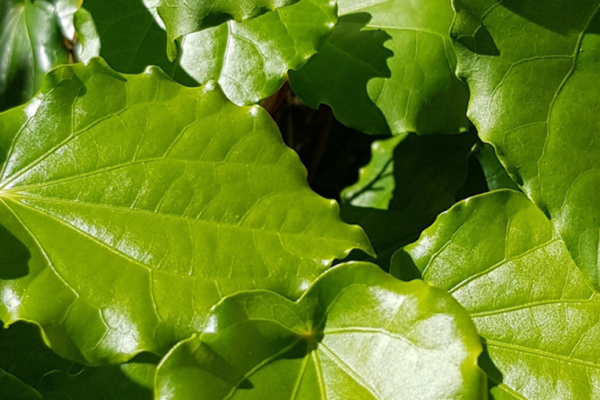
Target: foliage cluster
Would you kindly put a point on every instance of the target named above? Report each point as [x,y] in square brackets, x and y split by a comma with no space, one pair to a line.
[299,199]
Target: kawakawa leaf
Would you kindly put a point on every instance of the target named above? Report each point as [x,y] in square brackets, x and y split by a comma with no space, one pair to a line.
[358,333]
[13,389]
[535,97]
[250,59]
[182,17]
[143,203]
[502,259]
[388,68]
[408,182]
[26,357]
[495,174]
[30,45]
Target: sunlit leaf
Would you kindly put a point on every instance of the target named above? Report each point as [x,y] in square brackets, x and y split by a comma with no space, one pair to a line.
[357,333]
[142,203]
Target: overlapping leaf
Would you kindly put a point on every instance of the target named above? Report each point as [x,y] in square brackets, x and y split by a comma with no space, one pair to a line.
[14,389]
[250,60]
[388,68]
[502,259]
[357,333]
[535,97]
[183,17]
[409,181]
[30,45]
[143,202]
[25,356]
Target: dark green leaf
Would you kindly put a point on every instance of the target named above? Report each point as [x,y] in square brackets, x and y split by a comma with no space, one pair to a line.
[357,334]
[24,355]
[143,203]
[30,45]
[409,181]
[12,388]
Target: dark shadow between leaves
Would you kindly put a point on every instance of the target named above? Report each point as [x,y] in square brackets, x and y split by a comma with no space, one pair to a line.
[132,39]
[469,30]
[431,174]
[494,375]
[339,74]
[564,17]
[14,256]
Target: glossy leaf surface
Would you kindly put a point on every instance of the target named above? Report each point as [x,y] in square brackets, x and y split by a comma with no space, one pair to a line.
[388,68]
[30,45]
[357,333]
[126,187]
[502,259]
[250,60]
[535,99]
[182,17]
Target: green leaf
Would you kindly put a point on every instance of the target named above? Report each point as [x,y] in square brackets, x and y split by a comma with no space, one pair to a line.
[130,37]
[143,203]
[24,355]
[88,42]
[409,181]
[250,60]
[182,17]
[98,383]
[533,93]
[30,45]
[502,259]
[12,388]
[495,174]
[65,9]
[388,68]
[357,333]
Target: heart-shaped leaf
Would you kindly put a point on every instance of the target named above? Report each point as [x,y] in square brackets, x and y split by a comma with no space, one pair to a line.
[547,133]
[250,59]
[142,203]
[388,68]
[502,259]
[357,333]
[30,45]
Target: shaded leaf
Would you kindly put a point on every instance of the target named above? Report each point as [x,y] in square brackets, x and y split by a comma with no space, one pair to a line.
[408,340]
[388,68]
[126,187]
[250,59]
[495,174]
[502,259]
[24,355]
[12,388]
[182,17]
[30,45]
[535,100]
[409,181]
